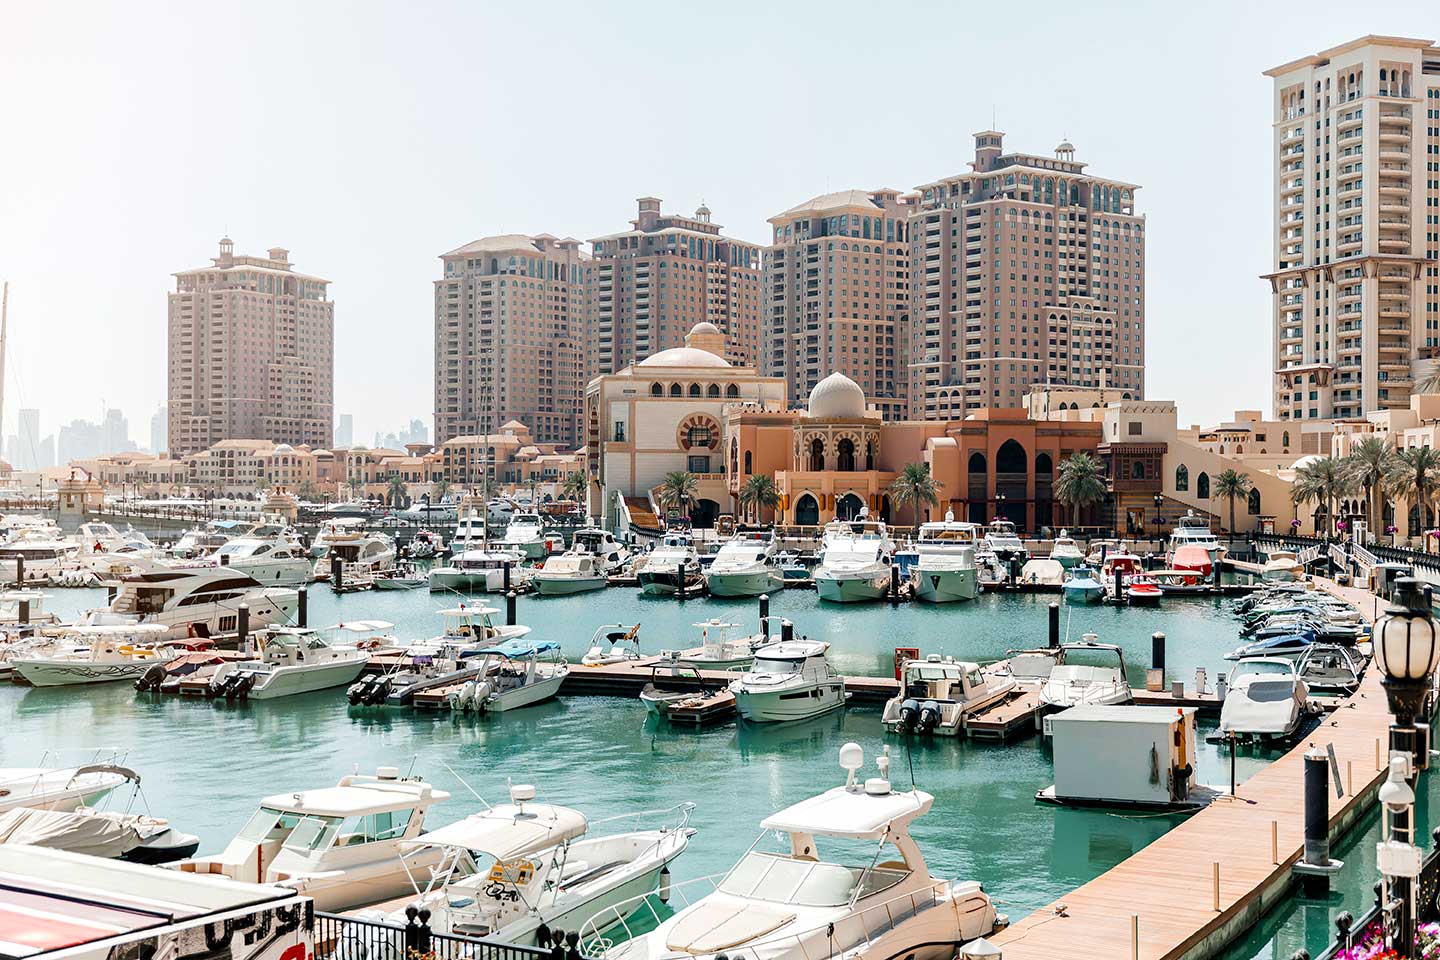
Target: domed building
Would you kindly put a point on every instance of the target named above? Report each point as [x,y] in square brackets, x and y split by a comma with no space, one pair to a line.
[665,414]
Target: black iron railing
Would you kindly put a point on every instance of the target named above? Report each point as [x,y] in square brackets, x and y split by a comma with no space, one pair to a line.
[350,938]
[1350,929]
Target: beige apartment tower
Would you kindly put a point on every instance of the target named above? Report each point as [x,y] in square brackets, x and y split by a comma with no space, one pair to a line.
[1357,226]
[651,284]
[837,295]
[1025,270]
[251,353]
[509,337]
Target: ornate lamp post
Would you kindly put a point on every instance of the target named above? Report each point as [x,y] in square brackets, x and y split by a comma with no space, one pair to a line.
[1406,652]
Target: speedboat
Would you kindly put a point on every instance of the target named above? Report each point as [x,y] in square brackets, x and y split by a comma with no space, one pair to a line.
[102,654]
[516,871]
[402,576]
[944,569]
[1030,669]
[1066,551]
[787,900]
[1279,645]
[134,837]
[1265,698]
[1141,590]
[425,545]
[1193,559]
[569,572]
[937,694]
[194,601]
[279,560]
[789,680]
[1330,669]
[438,662]
[297,660]
[61,788]
[680,693]
[1044,571]
[613,644]
[1089,673]
[1083,586]
[477,569]
[1282,565]
[358,555]
[745,566]
[525,535]
[856,561]
[720,651]
[512,675]
[670,567]
[1002,540]
[344,846]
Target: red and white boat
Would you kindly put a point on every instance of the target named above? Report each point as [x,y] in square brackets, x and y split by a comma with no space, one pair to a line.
[1142,590]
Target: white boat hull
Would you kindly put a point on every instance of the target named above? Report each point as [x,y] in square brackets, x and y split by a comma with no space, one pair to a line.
[848,588]
[537,690]
[750,583]
[449,578]
[289,681]
[56,673]
[779,706]
[945,586]
[277,573]
[562,586]
[1083,595]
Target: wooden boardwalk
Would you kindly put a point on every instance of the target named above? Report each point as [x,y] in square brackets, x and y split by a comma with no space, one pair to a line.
[1170,885]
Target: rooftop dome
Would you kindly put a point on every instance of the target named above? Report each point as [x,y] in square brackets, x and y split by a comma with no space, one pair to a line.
[284,448]
[1065,145]
[1305,461]
[837,396]
[705,327]
[684,357]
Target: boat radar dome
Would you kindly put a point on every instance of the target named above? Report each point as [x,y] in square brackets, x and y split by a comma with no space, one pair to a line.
[387,773]
[519,793]
[852,758]
[880,786]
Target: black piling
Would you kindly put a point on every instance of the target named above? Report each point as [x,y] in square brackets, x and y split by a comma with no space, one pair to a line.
[1054,625]
[19,571]
[337,574]
[894,582]
[787,631]
[1119,585]
[1215,575]
[505,582]
[303,613]
[1155,681]
[765,615]
[24,612]
[242,627]
[1316,866]
[509,607]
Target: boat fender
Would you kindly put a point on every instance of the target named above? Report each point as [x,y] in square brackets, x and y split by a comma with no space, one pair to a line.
[929,716]
[664,891]
[909,714]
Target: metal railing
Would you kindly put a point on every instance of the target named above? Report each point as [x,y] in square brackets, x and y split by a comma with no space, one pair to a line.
[1351,930]
[340,937]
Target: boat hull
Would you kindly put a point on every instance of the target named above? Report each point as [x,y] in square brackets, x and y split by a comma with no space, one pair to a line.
[659,583]
[449,578]
[945,586]
[288,682]
[748,584]
[844,588]
[56,673]
[536,691]
[779,706]
[1083,595]
[562,586]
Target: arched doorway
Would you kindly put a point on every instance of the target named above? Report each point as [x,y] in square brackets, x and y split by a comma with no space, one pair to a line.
[848,507]
[1044,490]
[885,508]
[703,513]
[1202,486]
[807,511]
[1011,482]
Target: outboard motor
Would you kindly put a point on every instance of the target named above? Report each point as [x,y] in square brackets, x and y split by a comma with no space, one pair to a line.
[151,679]
[929,716]
[377,691]
[909,714]
[355,693]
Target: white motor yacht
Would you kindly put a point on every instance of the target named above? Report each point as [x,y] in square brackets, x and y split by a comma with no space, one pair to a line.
[61,788]
[516,871]
[511,675]
[470,534]
[1265,698]
[525,535]
[789,680]
[425,545]
[439,661]
[1193,530]
[194,601]
[98,537]
[719,650]
[937,695]
[745,566]
[795,902]
[944,568]
[343,846]
[671,566]
[45,550]
[1282,566]
[278,560]
[363,555]
[1088,673]
[856,561]
[299,660]
[477,569]
[333,529]
[593,556]
[1004,542]
[97,654]
[1066,550]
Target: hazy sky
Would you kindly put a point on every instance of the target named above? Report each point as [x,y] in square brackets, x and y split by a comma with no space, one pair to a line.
[370,138]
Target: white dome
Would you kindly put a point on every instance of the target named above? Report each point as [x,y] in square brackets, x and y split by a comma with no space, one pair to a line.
[284,448]
[707,328]
[837,396]
[684,357]
[1305,461]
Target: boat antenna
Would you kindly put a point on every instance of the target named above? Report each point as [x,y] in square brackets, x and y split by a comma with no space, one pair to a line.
[413,758]
[466,785]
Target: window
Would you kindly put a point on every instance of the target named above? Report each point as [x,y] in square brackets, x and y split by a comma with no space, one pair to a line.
[1253,503]
[694,389]
[1182,477]
[1202,486]
[697,464]
[747,461]
[619,431]
[675,390]
[1133,428]
[656,390]
[697,436]
[1137,470]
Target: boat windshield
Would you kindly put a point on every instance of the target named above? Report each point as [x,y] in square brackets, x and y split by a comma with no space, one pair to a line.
[804,882]
[316,834]
[268,823]
[770,665]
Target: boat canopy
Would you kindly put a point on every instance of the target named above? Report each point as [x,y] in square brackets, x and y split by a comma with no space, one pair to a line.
[117,629]
[470,612]
[97,834]
[357,799]
[509,830]
[842,812]
[515,648]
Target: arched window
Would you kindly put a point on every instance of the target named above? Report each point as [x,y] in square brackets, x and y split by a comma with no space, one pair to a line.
[713,391]
[1239,448]
[1044,466]
[1010,458]
[807,511]
[817,454]
[845,455]
[676,390]
[694,389]
[697,436]
[732,391]
[1137,470]
[848,507]
[1202,486]
[1254,502]
[869,454]
[747,462]
[1182,477]
[1285,438]
[977,463]
[656,390]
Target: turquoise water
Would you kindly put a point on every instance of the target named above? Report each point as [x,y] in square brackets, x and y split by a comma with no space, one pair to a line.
[206,764]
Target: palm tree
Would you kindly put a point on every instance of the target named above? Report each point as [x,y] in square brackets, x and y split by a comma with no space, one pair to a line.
[1429,383]
[576,485]
[916,486]
[1230,484]
[1415,475]
[1321,480]
[395,487]
[759,493]
[1367,464]
[677,490]
[354,484]
[439,490]
[307,492]
[1080,484]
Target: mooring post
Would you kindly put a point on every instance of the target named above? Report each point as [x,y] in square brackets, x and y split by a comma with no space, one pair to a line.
[20,572]
[894,582]
[337,574]
[1054,625]
[787,631]
[1155,680]
[302,613]
[1315,865]
[24,612]
[242,628]
[1119,585]
[510,609]
[765,615]
[505,575]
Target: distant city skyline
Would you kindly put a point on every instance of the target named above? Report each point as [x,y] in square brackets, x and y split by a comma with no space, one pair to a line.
[112,81]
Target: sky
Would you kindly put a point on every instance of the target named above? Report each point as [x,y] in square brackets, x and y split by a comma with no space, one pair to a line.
[369,138]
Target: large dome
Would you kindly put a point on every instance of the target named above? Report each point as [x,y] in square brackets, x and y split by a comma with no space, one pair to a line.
[684,357]
[837,396]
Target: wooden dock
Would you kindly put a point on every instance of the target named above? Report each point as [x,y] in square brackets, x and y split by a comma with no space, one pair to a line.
[1168,889]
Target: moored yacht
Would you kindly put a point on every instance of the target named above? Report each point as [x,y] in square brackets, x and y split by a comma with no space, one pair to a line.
[795,902]
[944,569]
[512,675]
[789,680]
[525,535]
[334,528]
[362,555]
[856,561]
[1193,530]
[594,554]
[194,601]
[745,566]
[278,560]
[96,655]
[937,695]
[1004,542]
[342,846]
[718,650]
[297,660]
[471,533]
[1088,673]
[671,566]
[477,569]
[45,550]
[1066,550]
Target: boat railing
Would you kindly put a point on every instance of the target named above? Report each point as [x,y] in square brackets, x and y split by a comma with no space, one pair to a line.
[859,926]
[340,937]
[674,819]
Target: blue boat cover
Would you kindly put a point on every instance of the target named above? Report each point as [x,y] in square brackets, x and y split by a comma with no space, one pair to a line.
[516,647]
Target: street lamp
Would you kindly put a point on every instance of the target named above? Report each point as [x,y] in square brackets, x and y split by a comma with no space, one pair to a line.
[1406,652]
